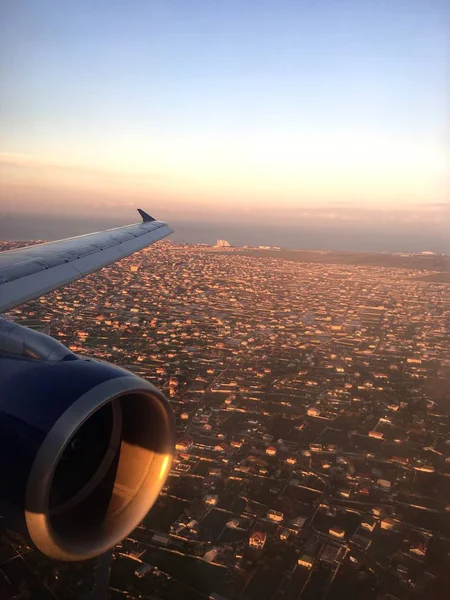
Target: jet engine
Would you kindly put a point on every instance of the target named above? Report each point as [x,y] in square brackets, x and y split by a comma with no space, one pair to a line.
[85,446]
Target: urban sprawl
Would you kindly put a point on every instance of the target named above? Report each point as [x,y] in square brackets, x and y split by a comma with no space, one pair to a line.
[313,434]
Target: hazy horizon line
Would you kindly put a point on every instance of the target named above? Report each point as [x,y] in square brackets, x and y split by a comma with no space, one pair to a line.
[412,238]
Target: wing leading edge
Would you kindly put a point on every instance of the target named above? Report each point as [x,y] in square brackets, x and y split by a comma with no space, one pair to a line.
[27,273]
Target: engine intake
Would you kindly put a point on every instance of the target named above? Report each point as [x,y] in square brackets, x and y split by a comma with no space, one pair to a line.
[85,448]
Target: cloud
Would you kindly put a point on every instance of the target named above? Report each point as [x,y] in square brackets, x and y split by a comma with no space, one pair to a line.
[434,213]
[37,185]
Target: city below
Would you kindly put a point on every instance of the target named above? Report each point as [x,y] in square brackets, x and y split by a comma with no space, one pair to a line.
[312,399]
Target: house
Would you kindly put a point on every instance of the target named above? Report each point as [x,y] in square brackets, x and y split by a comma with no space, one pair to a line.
[183,445]
[212,554]
[384,484]
[233,523]
[313,412]
[297,523]
[344,492]
[305,560]
[315,447]
[336,531]
[211,499]
[182,528]
[419,549]
[275,515]
[143,570]
[387,523]
[309,551]
[368,523]
[258,540]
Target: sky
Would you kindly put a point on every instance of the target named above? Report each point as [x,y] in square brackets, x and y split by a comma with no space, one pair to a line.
[309,124]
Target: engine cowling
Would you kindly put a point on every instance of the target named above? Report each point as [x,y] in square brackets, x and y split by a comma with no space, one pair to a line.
[85,448]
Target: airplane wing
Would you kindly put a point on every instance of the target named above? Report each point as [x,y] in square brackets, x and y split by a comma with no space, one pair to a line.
[30,272]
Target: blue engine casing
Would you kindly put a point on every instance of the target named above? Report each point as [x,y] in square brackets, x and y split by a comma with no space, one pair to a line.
[124,423]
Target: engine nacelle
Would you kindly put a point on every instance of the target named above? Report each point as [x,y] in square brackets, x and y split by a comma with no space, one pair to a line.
[85,448]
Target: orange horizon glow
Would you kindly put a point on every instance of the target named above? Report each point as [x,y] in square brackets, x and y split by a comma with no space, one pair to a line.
[285,175]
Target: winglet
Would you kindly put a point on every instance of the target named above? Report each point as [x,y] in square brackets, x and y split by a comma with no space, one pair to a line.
[146,218]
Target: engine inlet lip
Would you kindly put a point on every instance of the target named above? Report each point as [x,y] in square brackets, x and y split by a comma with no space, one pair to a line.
[37,496]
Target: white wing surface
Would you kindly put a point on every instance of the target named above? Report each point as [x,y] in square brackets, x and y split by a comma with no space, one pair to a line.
[30,272]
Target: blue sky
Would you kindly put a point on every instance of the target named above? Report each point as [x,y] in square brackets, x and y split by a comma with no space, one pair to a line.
[225,107]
